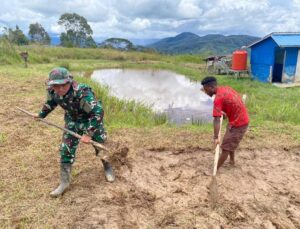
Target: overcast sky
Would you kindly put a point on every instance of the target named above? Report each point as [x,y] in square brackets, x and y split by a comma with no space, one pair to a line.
[148,19]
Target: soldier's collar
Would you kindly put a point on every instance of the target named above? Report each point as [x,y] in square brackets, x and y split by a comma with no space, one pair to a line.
[75,86]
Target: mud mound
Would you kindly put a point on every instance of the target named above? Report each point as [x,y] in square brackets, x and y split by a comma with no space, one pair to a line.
[119,157]
[166,188]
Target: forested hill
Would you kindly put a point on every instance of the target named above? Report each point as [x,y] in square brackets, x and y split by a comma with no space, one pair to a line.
[189,43]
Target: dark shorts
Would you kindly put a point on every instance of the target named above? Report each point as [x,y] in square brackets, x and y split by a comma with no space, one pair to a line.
[232,137]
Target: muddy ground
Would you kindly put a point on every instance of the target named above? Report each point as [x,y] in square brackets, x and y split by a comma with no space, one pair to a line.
[160,181]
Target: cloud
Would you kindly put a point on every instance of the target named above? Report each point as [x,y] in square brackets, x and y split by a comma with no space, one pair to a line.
[140,23]
[156,18]
[152,9]
[55,28]
[189,9]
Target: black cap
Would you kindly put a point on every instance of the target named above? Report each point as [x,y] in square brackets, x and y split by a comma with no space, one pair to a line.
[208,79]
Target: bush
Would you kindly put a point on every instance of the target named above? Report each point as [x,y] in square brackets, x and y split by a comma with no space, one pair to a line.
[8,53]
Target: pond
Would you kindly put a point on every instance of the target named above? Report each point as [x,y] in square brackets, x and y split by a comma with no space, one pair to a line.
[164,91]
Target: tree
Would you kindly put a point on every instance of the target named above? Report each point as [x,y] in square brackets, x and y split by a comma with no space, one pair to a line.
[117,43]
[78,31]
[38,34]
[90,43]
[16,36]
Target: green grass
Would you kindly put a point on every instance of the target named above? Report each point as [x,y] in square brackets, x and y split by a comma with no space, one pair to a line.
[196,59]
[268,106]
[8,53]
[43,54]
[3,138]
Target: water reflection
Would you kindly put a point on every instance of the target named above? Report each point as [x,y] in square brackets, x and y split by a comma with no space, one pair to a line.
[165,91]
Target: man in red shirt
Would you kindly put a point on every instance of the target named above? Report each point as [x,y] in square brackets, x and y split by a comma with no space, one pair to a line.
[227,101]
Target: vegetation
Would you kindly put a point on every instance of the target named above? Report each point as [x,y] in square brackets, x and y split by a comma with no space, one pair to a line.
[8,53]
[189,43]
[15,36]
[38,34]
[78,31]
[269,106]
[117,43]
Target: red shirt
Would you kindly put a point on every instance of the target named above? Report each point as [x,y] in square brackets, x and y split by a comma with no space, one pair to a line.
[230,102]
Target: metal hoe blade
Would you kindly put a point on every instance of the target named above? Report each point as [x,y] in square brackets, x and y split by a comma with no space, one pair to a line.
[213,192]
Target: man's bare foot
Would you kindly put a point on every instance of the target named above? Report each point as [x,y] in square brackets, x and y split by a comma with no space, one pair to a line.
[207,173]
[231,162]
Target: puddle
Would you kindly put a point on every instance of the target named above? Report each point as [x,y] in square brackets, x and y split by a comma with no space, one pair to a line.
[165,91]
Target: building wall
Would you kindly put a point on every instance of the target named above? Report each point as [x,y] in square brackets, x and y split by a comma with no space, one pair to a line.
[290,62]
[297,75]
[262,60]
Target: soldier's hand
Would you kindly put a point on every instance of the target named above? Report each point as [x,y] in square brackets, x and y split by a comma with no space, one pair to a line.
[85,139]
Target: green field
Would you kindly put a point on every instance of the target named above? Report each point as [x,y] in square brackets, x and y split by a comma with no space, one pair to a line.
[270,108]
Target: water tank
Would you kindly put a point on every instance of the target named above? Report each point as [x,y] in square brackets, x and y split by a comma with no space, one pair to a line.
[239,60]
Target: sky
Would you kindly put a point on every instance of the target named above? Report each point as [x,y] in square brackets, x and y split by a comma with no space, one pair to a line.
[156,19]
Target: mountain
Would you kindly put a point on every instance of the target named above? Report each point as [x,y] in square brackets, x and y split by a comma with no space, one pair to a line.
[190,43]
[143,42]
[136,42]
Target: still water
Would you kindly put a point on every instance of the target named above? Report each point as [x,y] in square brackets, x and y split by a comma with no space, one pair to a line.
[164,91]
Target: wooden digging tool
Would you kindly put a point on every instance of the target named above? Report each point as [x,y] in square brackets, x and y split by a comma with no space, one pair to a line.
[213,187]
[107,167]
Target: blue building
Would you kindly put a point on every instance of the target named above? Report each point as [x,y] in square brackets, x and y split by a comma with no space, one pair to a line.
[276,58]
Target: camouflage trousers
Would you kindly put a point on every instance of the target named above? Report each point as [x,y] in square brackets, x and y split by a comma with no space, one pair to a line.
[69,143]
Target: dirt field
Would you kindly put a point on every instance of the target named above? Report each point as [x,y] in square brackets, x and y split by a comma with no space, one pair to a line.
[160,181]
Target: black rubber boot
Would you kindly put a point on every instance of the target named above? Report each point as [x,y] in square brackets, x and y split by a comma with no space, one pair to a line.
[108,171]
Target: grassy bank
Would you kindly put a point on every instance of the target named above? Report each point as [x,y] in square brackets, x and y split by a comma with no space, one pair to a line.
[43,54]
[8,53]
[269,107]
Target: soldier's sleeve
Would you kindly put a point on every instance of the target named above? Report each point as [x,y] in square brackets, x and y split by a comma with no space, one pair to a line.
[48,106]
[94,109]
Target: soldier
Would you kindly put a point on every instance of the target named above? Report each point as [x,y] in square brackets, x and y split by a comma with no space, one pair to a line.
[83,115]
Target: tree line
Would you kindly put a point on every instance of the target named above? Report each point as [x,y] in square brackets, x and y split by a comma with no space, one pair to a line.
[77,33]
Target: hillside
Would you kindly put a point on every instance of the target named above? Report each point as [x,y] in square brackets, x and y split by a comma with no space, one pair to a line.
[189,43]
[184,43]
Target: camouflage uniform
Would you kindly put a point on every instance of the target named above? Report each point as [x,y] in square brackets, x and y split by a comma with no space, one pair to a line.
[83,115]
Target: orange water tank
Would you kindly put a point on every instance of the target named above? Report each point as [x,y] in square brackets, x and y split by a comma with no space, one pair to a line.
[239,60]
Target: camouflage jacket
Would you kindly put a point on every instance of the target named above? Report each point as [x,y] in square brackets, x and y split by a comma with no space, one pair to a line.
[80,105]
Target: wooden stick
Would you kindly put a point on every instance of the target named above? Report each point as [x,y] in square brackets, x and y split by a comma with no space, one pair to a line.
[96,144]
[217,151]
[244,97]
